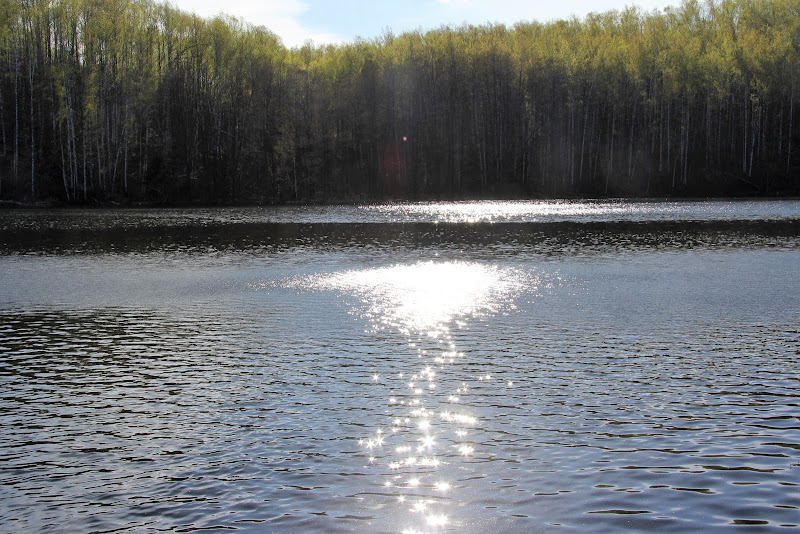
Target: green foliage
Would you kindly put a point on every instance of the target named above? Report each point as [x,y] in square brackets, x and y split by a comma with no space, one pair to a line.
[136,101]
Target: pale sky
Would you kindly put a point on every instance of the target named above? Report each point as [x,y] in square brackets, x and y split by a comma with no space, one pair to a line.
[336,21]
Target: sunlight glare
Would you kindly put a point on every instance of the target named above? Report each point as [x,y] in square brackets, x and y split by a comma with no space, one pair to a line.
[437,520]
[466,450]
[441,486]
[427,442]
[426,297]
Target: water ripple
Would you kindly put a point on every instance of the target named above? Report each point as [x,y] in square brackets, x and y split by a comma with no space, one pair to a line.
[525,379]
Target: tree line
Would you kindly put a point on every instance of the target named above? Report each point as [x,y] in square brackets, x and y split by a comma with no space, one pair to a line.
[136,101]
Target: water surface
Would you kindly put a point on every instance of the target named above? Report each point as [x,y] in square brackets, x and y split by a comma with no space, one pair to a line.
[517,367]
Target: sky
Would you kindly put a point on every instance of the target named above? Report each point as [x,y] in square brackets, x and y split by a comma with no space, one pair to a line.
[338,21]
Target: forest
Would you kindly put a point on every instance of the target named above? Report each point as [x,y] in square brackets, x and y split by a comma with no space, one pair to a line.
[137,102]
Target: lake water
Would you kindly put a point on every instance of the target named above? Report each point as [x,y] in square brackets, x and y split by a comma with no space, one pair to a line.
[435,367]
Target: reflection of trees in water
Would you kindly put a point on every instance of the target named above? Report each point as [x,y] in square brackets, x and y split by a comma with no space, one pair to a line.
[552,238]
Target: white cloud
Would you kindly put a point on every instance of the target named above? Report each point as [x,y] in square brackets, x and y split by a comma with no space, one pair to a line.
[340,22]
[279,16]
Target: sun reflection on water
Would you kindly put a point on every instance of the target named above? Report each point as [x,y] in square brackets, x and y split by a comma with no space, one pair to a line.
[502,211]
[427,297]
[430,422]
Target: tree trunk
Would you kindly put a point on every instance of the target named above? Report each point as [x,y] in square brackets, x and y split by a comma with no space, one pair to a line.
[685,170]
[780,130]
[611,149]
[630,143]
[63,161]
[753,136]
[2,121]
[85,163]
[744,131]
[661,140]
[791,123]
[708,131]
[583,139]
[669,133]
[72,149]
[15,161]
[571,147]
[33,137]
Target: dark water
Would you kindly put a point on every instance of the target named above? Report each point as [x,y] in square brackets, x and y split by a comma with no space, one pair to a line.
[475,367]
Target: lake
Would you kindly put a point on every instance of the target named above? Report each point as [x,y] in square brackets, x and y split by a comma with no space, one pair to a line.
[435,367]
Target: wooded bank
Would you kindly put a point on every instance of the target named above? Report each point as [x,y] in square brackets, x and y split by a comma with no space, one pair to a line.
[136,101]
